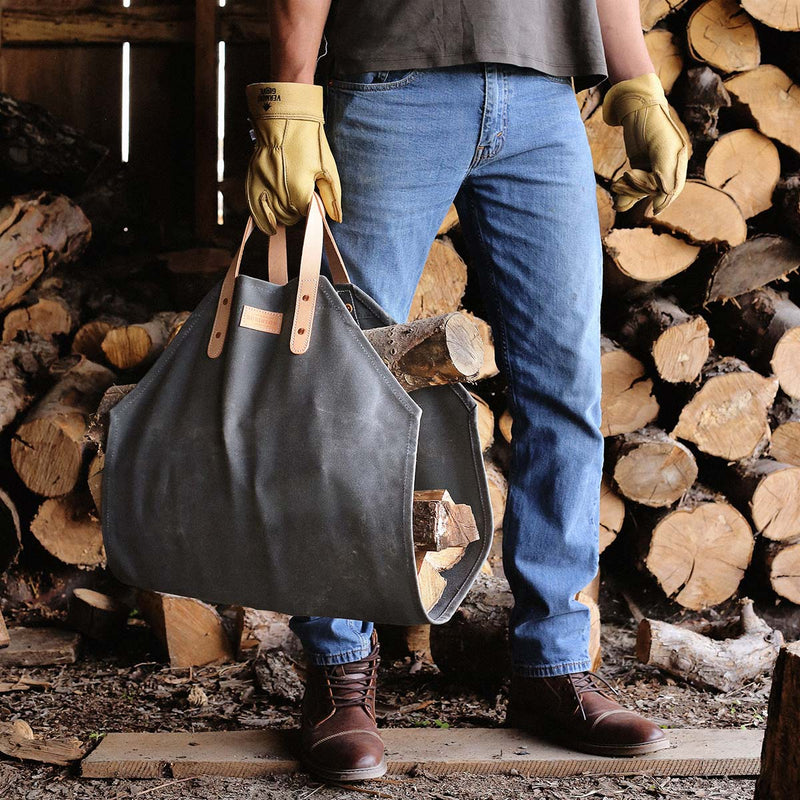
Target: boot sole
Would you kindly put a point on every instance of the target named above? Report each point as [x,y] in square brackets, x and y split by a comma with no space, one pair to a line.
[541,728]
[340,775]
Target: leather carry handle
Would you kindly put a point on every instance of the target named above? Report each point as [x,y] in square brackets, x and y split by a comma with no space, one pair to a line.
[278,262]
[317,234]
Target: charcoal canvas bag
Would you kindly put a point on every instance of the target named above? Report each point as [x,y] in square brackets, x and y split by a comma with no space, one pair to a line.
[268,458]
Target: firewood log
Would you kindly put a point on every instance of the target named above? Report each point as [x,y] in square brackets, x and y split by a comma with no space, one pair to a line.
[96,615]
[704,214]
[653,11]
[642,255]
[138,345]
[48,447]
[588,101]
[431,351]
[785,16]
[68,528]
[650,467]
[612,513]
[781,564]
[97,430]
[504,425]
[17,740]
[727,416]
[780,757]
[746,164]
[191,632]
[698,550]
[722,35]
[36,149]
[94,479]
[767,491]
[666,55]
[785,441]
[607,145]
[704,95]
[5,639]
[440,523]
[23,366]
[10,531]
[751,265]
[498,491]
[787,196]
[37,230]
[488,368]
[88,339]
[51,308]
[763,328]
[658,330]
[442,284]
[711,663]
[485,422]
[627,397]
[605,210]
[431,583]
[772,99]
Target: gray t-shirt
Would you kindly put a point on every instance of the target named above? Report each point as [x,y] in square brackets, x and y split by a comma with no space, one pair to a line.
[559,37]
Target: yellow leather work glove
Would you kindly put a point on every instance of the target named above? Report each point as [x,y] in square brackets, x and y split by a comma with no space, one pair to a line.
[656,148]
[292,155]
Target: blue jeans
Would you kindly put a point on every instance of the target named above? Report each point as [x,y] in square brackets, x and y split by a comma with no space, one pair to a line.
[508,146]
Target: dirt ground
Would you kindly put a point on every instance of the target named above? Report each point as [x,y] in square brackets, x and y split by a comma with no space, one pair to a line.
[128,688]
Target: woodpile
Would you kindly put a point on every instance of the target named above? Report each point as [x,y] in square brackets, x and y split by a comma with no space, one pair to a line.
[699,353]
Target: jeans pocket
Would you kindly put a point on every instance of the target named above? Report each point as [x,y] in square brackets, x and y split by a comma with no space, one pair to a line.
[555,78]
[378,80]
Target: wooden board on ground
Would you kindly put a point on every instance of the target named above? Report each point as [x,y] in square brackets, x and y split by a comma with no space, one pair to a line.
[247,754]
[31,647]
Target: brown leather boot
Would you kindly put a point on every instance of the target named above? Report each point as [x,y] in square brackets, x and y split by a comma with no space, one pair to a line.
[578,711]
[340,739]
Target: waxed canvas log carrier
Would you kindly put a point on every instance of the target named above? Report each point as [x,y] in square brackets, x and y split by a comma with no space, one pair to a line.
[269,458]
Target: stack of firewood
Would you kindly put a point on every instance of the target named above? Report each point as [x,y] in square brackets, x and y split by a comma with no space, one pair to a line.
[700,352]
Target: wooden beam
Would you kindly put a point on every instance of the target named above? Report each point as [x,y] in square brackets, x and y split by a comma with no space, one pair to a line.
[205,119]
[247,754]
[167,24]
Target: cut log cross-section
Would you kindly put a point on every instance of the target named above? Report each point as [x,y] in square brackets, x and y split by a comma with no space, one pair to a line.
[746,164]
[699,550]
[666,55]
[48,446]
[721,34]
[704,214]
[430,352]
[650,467]
[783,15]
[612,513]
[676,342]
[36,231]
[440,523]
[772,99]
[139,345]
[753,264]
[69,529]
[627,396]
[782,567]
[727,417]
[96,615]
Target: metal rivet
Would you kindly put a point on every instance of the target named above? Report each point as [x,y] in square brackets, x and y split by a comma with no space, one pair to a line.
[301,331]
[225,301]
[305,297]
[349,307]
[217,335]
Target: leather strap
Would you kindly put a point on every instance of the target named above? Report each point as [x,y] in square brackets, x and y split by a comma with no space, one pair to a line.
[317,233]
[278,269]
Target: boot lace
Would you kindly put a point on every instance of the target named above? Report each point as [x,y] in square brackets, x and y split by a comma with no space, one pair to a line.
[583,682]
[349,688]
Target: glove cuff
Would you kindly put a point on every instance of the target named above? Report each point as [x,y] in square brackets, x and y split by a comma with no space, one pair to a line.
[625,97]
[281,100]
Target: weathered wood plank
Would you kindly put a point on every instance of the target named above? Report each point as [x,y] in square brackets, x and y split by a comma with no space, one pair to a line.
[205,119]
[476,750]
[162,24]
[30,647]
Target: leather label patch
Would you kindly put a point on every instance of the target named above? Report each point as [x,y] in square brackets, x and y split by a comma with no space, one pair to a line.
[261,320]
